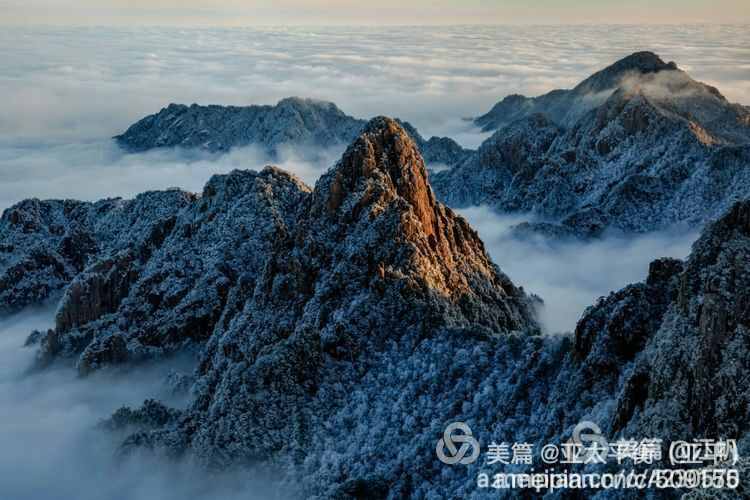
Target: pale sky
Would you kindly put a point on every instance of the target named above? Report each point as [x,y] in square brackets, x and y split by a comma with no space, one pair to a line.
[377,12]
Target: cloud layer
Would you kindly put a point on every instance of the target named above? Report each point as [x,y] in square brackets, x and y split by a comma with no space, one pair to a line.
[52,447]
[66,90]
[93,82]
[572,276]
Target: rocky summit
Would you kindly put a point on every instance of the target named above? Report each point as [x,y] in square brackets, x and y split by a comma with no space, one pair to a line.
[306,125]
[638,146]
[169,270]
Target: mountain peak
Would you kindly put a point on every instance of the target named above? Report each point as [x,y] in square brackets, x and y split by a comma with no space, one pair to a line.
[643,76]
[381,182]
[386,156]
[305,103]
[643,62]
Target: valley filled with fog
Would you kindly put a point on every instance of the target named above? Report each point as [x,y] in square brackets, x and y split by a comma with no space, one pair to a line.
[68,91]
[53,446]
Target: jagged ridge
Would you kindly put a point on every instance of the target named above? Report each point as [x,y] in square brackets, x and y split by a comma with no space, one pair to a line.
[305,124]
[297,295]
[636,147]
[346,325]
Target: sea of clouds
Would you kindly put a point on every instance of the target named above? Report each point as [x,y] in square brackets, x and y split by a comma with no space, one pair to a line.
[68,91]
[570,276]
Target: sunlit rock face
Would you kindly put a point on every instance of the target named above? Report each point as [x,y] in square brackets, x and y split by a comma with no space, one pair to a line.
[636,147]
[371,265]
[183,266]
[306,125]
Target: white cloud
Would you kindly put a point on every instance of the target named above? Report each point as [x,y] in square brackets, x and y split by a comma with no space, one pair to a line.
[66,90]
[571,276]
[63,83]
[51,447]
[99,169]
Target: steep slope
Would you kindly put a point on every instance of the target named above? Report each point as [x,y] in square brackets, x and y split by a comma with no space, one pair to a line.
[45,244]
[304,124]
[669,356]
[636,147]
[692,374]
[149,297]
[486,178]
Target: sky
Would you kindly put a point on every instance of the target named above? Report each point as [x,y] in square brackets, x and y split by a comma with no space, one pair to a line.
[383,12]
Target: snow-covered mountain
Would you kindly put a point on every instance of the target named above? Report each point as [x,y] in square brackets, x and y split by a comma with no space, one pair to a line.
[636,147]
[152,275]
[340,328]
[357,409]
[45,244]
[305,124]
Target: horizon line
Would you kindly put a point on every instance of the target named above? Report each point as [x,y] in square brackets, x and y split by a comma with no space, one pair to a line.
[364,25]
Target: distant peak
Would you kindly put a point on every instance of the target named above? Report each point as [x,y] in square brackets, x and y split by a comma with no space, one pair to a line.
[174,107]
[610,77]
[645,61]
[293,100]
[303,102]
[514,99]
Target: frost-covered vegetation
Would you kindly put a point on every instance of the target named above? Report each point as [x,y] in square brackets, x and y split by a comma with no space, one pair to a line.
[637,147]
[339,329]
[305,125]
